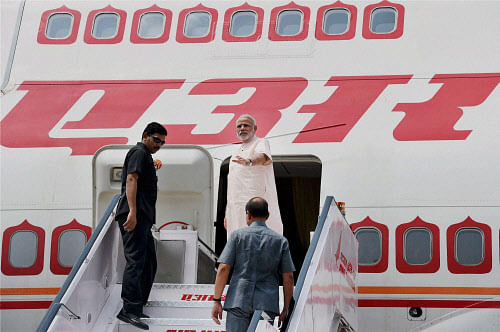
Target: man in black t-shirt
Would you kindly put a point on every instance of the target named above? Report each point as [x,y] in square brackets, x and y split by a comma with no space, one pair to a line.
[135,215]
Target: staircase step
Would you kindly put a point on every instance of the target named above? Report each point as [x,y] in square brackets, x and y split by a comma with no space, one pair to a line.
[189,292]
[172,308]
[178,309]
[176,325]
[182,292]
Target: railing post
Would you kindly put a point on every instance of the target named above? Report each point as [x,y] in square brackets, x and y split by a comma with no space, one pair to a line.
[255,320]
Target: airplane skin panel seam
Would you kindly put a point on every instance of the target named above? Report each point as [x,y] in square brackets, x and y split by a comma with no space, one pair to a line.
[274,78]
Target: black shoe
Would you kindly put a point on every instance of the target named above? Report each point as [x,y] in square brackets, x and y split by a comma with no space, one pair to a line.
[132,319]
[143,315]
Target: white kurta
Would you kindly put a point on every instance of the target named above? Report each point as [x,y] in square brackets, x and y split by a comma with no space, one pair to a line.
[246,182]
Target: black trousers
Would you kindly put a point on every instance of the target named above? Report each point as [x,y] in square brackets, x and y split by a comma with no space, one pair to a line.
[140,270]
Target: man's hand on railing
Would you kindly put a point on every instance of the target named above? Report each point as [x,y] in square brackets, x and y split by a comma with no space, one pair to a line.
[283,314]
[287,295]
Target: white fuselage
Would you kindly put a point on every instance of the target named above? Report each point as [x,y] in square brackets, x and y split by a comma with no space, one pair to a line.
[417,115]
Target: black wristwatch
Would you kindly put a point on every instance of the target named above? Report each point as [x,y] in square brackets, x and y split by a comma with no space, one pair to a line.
[216,300]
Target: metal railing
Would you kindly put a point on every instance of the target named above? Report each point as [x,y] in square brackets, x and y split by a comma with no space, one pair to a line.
[56,304]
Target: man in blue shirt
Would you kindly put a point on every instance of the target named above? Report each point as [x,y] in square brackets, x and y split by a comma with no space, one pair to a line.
[257,255]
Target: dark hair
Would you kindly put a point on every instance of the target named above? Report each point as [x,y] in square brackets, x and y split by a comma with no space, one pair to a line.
[154,128]
[257,207]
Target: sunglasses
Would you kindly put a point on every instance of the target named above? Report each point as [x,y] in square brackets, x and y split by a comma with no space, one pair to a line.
[157,140]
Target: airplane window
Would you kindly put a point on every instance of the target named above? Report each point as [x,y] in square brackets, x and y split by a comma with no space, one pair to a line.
[243,24]
[197,24]
[59,26]
[23,249]
[336,21]
[417,246]
[71,244]
[151,25]
[469,246]
[105,26]
[370,246]
[383,20]
[289,23]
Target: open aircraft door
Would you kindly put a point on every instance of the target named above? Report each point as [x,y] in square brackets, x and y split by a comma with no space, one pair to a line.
[184,209]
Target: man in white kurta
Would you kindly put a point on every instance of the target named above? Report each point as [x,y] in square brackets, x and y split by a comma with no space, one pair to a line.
[250,175]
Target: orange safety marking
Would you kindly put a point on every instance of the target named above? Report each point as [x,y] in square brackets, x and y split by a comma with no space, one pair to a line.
[429,290]
[29,291]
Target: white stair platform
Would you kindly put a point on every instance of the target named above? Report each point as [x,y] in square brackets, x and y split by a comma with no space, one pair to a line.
[172,308]
[176,325]
[177,309]
[182,292]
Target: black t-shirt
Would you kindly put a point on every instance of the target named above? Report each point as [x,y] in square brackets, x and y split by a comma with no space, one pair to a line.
[139,160]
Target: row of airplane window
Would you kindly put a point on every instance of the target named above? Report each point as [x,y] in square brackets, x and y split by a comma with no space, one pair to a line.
[241,24]
[417,247]
[23,248]
[469,247]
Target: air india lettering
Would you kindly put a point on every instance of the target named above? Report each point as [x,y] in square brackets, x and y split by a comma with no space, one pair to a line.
[30,121]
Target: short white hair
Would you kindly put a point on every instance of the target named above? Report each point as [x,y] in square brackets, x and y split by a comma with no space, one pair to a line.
[248,116]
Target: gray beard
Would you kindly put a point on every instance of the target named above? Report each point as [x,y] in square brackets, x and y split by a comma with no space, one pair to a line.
[241,138]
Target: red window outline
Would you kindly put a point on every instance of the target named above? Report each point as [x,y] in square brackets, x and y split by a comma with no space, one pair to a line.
[401,264]
[381,266]
[351,31]
[43,39]
[134,33]
[226,35]
[273,35]
[398,32]
[457,268]
[89,39]
[34,269]
[55,267]
[181,38]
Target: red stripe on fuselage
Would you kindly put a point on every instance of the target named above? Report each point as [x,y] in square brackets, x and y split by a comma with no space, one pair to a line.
[367,303]
[6,305]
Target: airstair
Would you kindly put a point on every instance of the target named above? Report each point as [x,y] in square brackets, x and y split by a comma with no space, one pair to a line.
[172,307]
[325,294]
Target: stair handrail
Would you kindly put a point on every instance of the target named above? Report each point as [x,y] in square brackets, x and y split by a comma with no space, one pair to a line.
[332,231]
[255,320]
[310,251]
[307,260]
[207,250]
[56,303]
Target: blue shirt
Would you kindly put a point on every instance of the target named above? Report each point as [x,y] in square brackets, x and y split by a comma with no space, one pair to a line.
[257,255]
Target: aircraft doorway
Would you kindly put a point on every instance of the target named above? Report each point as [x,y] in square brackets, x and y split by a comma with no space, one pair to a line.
[298,182]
